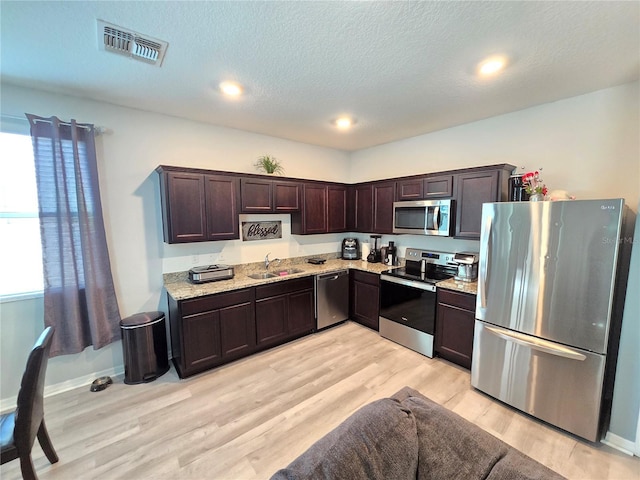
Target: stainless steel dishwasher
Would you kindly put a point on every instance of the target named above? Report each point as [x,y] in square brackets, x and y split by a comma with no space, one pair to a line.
[332,298]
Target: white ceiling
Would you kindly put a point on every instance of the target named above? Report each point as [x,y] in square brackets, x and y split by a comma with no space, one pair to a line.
[401,68]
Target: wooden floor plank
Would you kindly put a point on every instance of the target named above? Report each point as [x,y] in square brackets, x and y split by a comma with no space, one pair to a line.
[249,418]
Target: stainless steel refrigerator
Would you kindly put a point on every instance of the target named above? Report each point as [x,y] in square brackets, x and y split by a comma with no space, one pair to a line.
[547,324]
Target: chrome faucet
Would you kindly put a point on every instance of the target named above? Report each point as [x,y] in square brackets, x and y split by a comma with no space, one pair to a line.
[267,261]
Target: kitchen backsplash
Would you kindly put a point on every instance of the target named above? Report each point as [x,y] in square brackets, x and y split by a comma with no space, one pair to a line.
[181,257]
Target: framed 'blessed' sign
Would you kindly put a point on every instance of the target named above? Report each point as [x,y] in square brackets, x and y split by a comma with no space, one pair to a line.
[261,230]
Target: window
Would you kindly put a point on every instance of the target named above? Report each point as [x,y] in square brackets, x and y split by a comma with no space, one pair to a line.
[20,248]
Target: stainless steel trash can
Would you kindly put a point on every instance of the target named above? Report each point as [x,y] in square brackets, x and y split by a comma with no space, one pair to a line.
[144,346]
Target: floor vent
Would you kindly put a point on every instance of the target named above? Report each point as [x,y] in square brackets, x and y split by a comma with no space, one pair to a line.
[112,38]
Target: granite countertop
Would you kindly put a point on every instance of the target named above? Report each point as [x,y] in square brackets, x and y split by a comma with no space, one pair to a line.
[180,288]
[458,286]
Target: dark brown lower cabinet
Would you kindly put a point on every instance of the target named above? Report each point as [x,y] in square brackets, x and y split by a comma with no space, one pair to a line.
[210,330]
[454,326]
[284,310]
[365,298]
[214,329]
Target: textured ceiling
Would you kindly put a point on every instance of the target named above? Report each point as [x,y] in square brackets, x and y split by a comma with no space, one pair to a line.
[402,68]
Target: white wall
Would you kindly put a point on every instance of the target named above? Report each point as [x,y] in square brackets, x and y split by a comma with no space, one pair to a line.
[588,145]
[135,144]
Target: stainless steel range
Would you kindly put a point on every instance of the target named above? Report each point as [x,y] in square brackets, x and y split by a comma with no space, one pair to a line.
[408,298]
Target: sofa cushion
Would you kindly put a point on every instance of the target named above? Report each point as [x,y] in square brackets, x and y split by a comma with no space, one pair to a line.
[452,447]
[379,441]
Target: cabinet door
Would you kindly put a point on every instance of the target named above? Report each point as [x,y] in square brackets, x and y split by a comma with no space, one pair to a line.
[301,315]
[438,187]
[314,209]
[221,194]
[256,195]
[365,298]
[472,190]
[185,218]
[364,208]
[454,334]
[237,330]
[383,197]
[337,208]
[201,337]
[411,189]
[286,196]
[271,320]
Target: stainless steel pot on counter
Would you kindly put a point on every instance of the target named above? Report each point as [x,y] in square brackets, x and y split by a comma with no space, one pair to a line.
[467,266]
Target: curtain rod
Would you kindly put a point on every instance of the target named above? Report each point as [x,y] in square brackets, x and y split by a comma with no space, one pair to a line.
[97,130]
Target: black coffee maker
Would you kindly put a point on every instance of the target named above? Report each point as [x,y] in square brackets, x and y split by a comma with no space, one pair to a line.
[350,249]
[374,254]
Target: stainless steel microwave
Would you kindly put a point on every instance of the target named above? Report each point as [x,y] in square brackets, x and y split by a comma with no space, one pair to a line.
[423,217]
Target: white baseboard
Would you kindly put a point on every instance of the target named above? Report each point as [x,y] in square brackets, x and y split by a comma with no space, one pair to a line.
[8,404]
[619,443]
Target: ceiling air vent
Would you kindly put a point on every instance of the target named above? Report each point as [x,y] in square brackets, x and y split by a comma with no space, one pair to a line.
[112,38]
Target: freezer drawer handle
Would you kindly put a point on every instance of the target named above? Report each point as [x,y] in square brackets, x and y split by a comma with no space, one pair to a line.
[536,344]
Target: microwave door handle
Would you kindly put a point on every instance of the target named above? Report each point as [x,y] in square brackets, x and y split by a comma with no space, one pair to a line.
[436,218]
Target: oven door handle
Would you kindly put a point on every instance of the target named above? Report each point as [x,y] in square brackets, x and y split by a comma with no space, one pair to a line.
[409,283]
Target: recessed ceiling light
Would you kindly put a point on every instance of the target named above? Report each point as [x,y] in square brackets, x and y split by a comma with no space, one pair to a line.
[492,66]
[344,123]
[231,88]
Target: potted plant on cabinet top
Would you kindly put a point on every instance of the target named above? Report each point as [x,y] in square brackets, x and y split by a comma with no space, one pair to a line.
[269,164]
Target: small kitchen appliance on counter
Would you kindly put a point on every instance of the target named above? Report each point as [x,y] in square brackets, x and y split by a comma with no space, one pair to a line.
[210,273]
[467,266]
[350,249]
[374,255]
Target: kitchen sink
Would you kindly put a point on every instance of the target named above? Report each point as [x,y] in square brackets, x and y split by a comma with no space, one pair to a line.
[289,271]
[262,276]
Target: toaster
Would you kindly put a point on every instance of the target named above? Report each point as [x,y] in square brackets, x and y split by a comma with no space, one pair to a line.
[210,273]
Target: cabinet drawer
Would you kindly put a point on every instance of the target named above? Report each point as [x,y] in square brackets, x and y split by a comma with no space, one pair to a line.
[214,302]
[465,301]
[280,288]
[366,277]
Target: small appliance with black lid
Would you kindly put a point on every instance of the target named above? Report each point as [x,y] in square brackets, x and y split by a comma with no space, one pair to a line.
[210,273]
[350,249]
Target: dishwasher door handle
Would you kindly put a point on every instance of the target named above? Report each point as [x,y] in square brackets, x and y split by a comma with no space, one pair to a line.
[332,275]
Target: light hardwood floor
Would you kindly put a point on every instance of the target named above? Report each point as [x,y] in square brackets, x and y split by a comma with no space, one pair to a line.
[247,419]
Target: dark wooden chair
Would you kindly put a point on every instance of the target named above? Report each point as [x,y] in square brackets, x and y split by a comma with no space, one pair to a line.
[19,429]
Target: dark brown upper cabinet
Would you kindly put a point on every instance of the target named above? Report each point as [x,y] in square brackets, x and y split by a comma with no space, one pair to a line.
[256,195]
[312,219]
[363,219]
[384,194]
[337,208]
[324,209]
[421,188]
[198,207]
[440,186]
[410,189]
[286,196]
[269,196]
[474,188]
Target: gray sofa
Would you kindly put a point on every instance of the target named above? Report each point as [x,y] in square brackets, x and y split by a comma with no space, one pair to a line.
[408,436]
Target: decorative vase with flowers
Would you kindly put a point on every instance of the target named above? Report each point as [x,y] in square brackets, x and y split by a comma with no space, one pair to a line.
[534,186]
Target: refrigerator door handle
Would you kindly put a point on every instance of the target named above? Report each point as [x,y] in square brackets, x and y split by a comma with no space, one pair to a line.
[485,249]
[536,344]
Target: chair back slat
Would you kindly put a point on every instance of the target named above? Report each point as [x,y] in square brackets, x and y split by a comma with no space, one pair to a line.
[30,409]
